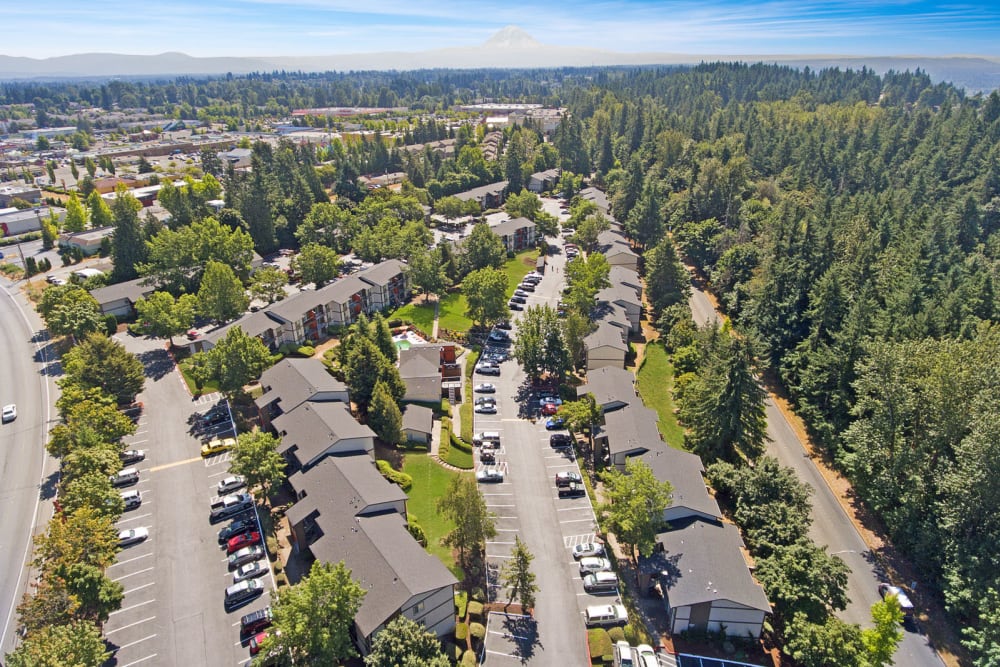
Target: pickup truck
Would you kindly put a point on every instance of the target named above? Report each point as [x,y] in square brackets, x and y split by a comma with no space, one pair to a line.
[230,506]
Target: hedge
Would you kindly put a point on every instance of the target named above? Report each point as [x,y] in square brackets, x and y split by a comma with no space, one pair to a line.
[477,630]
[600,643]
[395,476]
[461,603]
[469,659]
[461,632]
[617,634]
[475,609]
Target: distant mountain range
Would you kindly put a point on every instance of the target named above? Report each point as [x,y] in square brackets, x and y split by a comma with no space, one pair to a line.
[510,47]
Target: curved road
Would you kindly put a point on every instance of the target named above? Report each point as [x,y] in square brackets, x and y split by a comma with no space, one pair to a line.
[831,525]
[25,488]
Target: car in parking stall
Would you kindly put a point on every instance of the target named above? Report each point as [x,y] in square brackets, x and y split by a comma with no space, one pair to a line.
[605,615]
[245,555]
[646,656]
[217,446]
[487,456]
[489,475]
[554,423]
[249,571]
[9,413]
[132,536]
[486,408]
[242,541]
[591,564]
[572,490]
[132,456]
[526,287]
[518,299]
[132,499]
[565,478]
[488,369]
[549,409]
[498,336]
[237,527]
[623,654]
[588,550]
[254,622]
[241,593]
[485,388]
[231,483]
[560,440]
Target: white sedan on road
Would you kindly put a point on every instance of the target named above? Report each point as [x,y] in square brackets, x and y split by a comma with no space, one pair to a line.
[9,413]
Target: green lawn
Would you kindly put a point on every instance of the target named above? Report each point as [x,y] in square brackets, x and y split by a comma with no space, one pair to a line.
[430,481]
[454,313]
[420,315]
[207,388]
[656,384]
[517,268]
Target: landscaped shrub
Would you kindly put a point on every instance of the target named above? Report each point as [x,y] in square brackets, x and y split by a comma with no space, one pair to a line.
[416,532]
[458,443]
[475,609]
[306,351]
[600,643]
[444,449]
[616,634]
[461,603]
[110,324]
[477,595]
[404,481]
[477,630]
[281,580]
[461,632]
[455,651]
[446,407]
[469,659]
[272,547]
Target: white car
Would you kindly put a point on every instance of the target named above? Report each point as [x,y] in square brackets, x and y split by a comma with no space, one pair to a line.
[231,484]
[589,549]
[647,656]
[248,571]
[486,388]
[9,413]
[591,564]
[490,475]
[132,536]
[486,408]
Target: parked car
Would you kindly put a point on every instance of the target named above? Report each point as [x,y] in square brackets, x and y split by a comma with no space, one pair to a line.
[513,305]
[489,475]
[572,490]
[132,499]
[498,336]
[566,478]
[488,369]
[217,446]
[237,527]
[520,293]
[518,299]
[245,555]
[231,483]
[256,641]
[256,621]
[485,388]
[214,419]
[9,413]
[486,400]
[249,571]
[132,456]
[601,582]
[647,656]
[545,397]
[132,536]
[503,324]
[486,409]
[487,456]
[557,440]
[605,615]
[125,477]
[550,409]
[526,287]
[242,540]
[553,423]
[592,564]
[588,550]
[243,592]
[623,654]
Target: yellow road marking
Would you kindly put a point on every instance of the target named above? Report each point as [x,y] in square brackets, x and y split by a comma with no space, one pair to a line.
[175,463]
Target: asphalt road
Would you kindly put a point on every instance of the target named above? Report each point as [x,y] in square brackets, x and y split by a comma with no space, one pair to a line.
[831,526]
[174,582]
[25,489]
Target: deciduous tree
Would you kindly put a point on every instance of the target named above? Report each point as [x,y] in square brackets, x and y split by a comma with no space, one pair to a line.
[221,296]
[317,264]
[486,292]
[160,314]
[268,284]
[99,361]
[405,643]
[78,643]
[237,359]
[256,458]
[483,249]
[636,501]
[465,506]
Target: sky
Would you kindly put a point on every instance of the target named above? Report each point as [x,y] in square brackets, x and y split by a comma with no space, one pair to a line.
[320,27]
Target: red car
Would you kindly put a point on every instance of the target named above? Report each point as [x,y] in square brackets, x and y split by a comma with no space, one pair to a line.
[256,641]
[245,540]
[550,409]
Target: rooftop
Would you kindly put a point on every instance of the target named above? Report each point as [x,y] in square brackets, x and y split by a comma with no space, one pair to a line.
[609,385]
[312,428]
[684,472]
[509,227]
[132,290]
[349,485]
[292,382]
[631,428]
[382,273]
[418,418]
[483,190]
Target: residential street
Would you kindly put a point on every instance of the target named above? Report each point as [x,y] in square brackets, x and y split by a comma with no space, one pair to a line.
[831,526]
[25,486]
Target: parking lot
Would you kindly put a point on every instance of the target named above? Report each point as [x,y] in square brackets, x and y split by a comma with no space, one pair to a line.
[527,505]
[175,580]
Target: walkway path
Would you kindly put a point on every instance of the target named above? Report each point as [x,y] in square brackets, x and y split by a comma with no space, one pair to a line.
[437,311]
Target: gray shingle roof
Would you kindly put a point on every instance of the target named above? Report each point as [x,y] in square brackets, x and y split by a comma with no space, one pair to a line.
[633,427]
[476,193]
[133,290]
[293,308]
[253,324]
[381,273]
[420,361]
[705,564]
[620,294]
[293,381]
[418,418]
[606,335]
[312,428]
[384,559]
[622,275]
[684,472]
[341,484]
[609,385]
[509,227]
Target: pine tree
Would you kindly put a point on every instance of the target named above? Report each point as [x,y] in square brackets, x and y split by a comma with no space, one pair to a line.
[128,246]
[384,416]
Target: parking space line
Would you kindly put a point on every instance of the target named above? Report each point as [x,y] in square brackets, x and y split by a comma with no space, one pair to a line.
[498,494]
[216,474]
[138,604]
[132,574]
[489,505]
[137,641]
[508,530]
[122,562]
[133,518]
[108,632]
[572,509]
[138,442]
[138,588]
[497,542]
[575,520]
[136,662]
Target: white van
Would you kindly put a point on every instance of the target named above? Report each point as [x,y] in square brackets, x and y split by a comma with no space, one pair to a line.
[486,436]
[125,477]
[132,499]
[605,615]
